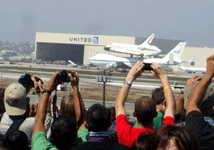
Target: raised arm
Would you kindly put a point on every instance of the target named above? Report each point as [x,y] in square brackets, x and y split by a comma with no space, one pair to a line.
[168,94]
[134,73]
[42,107]
[79,107]
[180,99]
[200,89]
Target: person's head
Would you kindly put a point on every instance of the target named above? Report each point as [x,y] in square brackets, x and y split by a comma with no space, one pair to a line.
[15,100]
[167,137]
[67,106]
[16,140]
[98,118]
[145,111]
[170,136]
[63,132]
[159,99]
[143,142]
[206,106]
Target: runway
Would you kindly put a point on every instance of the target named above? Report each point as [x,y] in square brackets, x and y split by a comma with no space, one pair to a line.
[145,83]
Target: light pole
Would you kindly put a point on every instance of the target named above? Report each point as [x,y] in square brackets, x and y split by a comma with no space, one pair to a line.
[103,78]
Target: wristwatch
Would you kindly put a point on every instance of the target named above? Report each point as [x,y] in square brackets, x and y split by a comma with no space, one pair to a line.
[128,82]
[46,91]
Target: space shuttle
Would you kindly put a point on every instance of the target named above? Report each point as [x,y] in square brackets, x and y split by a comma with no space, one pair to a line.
[111,61]
[144,49]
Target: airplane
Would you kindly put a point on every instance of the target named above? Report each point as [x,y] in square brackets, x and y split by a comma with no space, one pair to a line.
[192,70]
[72,64]
[144,49]
[110,61]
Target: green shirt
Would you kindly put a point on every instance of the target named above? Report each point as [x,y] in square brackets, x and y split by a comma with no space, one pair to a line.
[81,136]
[157,122]
[39,142]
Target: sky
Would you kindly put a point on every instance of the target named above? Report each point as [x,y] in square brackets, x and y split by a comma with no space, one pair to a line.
[189,20]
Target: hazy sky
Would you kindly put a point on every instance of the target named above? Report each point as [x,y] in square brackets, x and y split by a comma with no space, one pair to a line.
[188,20]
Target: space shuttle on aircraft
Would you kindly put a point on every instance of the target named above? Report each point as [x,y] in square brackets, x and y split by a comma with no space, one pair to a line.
[144,49]
[111,61]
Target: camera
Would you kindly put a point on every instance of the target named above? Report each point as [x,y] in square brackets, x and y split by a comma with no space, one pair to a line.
[147,66]
[26,81]
[62,76]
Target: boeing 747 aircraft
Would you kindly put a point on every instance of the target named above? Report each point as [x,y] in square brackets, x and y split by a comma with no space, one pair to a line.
[110,61]
[144,49]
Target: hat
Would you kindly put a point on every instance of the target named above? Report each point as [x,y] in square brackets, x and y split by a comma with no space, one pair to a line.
[206,101]
[15,99]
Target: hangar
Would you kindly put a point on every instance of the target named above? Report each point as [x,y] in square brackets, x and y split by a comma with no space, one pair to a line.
[80,47]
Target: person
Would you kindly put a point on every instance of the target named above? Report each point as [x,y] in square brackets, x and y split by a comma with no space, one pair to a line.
[67,106]
[16,140]
[63,130]
[145,108]
[158,97]
[195,122]
[17,106]
[98,121]
[180,101]
[167,137]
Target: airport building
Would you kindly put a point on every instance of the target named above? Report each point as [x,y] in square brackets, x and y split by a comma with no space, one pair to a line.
[80,47]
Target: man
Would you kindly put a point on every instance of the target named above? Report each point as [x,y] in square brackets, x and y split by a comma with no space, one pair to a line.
[98,121]
[63,130]
[145,108]
[17,107]
[195,121]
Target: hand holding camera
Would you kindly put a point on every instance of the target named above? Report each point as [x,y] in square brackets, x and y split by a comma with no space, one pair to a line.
[157,70]
[29,81]
[62,76]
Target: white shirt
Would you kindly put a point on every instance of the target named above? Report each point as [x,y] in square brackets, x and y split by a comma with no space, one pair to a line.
[27,126]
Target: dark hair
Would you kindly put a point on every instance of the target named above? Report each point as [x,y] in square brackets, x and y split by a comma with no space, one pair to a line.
[63,132]
[158,95]
[98,118]
[145,110]
[67,106]
[16,140]
[143,142]
[181,136]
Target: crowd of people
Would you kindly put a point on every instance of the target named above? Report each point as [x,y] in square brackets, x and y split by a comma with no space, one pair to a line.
[163,121]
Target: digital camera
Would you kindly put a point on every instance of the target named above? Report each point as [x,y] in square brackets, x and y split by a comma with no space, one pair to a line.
[26,81]
[62,76]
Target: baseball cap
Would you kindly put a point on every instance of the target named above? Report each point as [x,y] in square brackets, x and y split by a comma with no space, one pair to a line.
[207,102]
[15,99]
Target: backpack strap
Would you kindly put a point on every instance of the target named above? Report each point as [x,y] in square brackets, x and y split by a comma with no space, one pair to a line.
[17,121]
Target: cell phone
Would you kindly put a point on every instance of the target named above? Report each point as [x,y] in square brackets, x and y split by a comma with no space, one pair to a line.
[147,66]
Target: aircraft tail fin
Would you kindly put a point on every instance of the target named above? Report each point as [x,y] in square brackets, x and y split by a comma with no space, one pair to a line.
[176,52]
[149,39]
